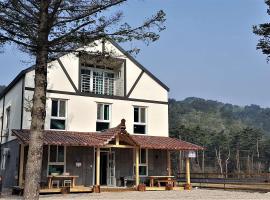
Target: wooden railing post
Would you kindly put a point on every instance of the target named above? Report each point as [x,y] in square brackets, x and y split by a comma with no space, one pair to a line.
[188,183]
[96,188]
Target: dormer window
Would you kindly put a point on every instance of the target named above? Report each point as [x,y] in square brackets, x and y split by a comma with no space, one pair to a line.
[97,80]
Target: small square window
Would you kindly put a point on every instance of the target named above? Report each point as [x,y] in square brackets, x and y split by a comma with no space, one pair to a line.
[139,120]
[101,126]
[139,129]
[103,117]
[58,114]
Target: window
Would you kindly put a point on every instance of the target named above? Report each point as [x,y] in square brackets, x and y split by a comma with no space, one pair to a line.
[97,81]
[103,117]
[1,123]
[56,159]
[143,162]
[6,133]
[58,114]
[139,120]
[5,154]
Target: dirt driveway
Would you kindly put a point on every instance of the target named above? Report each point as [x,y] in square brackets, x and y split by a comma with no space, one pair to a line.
[196,194]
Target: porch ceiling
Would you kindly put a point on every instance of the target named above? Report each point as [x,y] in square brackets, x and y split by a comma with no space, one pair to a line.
[101,139]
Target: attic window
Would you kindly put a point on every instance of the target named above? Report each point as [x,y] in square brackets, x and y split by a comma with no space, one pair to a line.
[97,81]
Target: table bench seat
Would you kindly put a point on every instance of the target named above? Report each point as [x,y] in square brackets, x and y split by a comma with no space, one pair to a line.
[172,181]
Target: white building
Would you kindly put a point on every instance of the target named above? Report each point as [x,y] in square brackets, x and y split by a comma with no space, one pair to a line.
[87,97]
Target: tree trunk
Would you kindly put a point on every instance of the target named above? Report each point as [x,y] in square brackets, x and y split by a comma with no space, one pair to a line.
[219,160]
[227,162]
[38,114]
[248,165]
[238,162]
[203,160]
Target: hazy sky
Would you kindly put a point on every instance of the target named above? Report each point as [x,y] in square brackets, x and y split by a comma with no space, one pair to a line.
[208,50]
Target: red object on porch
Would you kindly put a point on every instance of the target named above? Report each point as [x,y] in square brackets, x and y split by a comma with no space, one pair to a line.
[100,139]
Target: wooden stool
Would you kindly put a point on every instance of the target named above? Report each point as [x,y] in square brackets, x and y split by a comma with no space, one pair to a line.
[67,183]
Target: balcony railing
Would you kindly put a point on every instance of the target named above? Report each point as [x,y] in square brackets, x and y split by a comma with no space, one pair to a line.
[98,84]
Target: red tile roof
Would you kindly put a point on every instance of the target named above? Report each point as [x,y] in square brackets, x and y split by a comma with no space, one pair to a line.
[101,139]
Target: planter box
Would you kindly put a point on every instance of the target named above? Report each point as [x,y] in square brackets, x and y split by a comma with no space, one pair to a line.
[141,187]
[169,187]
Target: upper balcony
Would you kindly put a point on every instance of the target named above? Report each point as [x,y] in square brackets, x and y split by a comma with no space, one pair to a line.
[102,76]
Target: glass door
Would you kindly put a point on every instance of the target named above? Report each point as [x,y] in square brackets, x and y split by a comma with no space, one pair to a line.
[111,169]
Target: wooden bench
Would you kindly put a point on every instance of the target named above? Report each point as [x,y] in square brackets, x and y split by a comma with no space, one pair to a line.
[172,181]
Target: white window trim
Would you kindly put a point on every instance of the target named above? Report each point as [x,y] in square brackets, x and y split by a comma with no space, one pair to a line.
[92,70]
[141,123]
[3,161]
[110,113]
[56,163]
[60,118]
[141,164]
[7,122]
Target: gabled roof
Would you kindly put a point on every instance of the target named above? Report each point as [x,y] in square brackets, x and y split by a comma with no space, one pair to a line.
[101,139]
[138,64]
[16,80]
[23,72]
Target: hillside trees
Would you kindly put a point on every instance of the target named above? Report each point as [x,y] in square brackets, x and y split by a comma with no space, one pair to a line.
[232,136]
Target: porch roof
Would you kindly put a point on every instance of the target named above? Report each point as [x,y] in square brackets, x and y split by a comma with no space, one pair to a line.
[101,139]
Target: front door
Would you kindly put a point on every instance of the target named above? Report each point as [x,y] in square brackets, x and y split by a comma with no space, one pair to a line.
[111,168]
[103,168]
[107,168]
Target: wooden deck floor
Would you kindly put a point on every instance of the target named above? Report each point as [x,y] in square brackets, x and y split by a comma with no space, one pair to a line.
[83,189]
[163,188]
[73,190]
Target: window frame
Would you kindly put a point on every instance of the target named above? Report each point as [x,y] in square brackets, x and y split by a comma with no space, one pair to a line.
[91,84]
[56,163]
[139,119]
[58,113]
[7,122]
[110,113]
[140,163]
[1,124]
[3,160]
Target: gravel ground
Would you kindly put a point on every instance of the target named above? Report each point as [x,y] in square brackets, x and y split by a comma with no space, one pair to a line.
[196,194]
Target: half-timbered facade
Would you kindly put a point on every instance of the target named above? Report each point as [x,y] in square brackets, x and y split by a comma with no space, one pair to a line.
[87,97]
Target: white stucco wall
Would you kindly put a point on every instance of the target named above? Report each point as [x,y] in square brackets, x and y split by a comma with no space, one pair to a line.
[13,99]
[149,89]
[82,114]
[82,110]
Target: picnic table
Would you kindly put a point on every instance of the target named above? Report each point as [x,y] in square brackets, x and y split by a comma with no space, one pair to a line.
[63,177]
[160,179]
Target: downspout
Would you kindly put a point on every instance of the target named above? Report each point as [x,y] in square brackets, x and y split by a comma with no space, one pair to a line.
[22,101]
[2,125]
[21,127]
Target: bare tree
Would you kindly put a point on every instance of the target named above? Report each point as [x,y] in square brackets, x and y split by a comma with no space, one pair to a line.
[46,28]
[227,162]
[219,159]
[237,156]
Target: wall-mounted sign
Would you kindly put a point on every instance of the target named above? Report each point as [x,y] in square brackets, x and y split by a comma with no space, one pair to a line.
[190,154]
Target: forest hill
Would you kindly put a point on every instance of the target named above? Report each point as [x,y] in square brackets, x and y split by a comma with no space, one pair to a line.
[237,139]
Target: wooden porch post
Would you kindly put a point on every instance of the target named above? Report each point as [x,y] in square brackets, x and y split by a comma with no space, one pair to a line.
[21,165]
[169,168]
[180,163]
[98,167]
[96,188]
[137,167]
[188,184]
